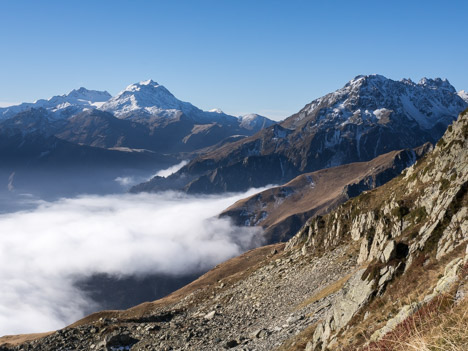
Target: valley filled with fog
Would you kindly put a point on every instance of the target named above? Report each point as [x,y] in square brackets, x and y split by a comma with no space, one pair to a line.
[66,256]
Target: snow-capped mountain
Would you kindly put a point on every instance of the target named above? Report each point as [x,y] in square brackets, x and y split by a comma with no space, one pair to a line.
[144,100]
[147,98]
[463,94]
[144,115]
[61,106]
[254,121]
[371,115]
[373,98]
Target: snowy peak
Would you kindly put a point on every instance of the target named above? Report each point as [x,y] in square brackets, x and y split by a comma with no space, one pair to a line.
[62,106]
[253,121]
[464,95]
[436,83]
[93,96]
[147,98]
[145,84]
[376,99]
[216,110]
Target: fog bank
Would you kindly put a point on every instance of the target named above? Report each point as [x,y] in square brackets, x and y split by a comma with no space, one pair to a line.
[44,250]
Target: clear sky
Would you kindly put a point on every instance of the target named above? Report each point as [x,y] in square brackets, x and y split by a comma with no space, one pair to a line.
[269,57]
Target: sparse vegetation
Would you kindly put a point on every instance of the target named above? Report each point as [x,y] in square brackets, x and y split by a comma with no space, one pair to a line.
[328,290]
[440,326]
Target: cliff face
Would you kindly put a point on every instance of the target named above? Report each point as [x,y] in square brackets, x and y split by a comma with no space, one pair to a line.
[345,279]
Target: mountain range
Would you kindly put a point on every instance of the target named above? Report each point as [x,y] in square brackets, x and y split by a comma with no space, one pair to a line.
[387,270]
[141,130]
[369,116]
[144,115]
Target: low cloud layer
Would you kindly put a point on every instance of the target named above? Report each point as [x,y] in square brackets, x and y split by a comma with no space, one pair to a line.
[167,172]
[44,250]
[128,181]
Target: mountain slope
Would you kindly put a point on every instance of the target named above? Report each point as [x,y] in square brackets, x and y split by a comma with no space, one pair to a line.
[34,160]
[102,129]
[369,116]
[333,286]
[281,211]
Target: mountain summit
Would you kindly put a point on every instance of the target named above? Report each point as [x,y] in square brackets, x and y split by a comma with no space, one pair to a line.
[148,98]
[375,99]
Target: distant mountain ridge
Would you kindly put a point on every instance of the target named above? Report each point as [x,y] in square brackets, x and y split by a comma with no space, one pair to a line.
[144,115]
[369,116]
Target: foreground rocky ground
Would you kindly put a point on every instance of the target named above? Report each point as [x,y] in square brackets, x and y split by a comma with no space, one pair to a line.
[346,280]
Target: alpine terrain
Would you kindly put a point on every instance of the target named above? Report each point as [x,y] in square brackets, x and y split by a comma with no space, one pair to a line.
[386,268]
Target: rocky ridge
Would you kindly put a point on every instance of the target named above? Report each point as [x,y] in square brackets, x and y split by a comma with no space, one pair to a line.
[334,284]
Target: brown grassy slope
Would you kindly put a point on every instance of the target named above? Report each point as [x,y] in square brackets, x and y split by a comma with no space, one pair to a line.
[309,194]
[439,325]
[12,340]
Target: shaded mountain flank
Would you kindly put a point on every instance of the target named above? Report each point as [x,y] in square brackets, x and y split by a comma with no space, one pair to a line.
[369,116]
[281,211]
[370,275]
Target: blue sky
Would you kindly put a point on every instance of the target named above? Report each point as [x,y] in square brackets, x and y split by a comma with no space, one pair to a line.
[269,57]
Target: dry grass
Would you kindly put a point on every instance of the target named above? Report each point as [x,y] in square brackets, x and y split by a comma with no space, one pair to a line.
[440,327]
[407,289]
[328,290]
[299,341]
[13,340]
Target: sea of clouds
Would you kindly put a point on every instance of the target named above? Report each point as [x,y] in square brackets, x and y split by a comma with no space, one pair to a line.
[45,249]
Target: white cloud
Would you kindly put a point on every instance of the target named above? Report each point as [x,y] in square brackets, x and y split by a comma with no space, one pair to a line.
[127,181]
[44,249]
[167,172]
